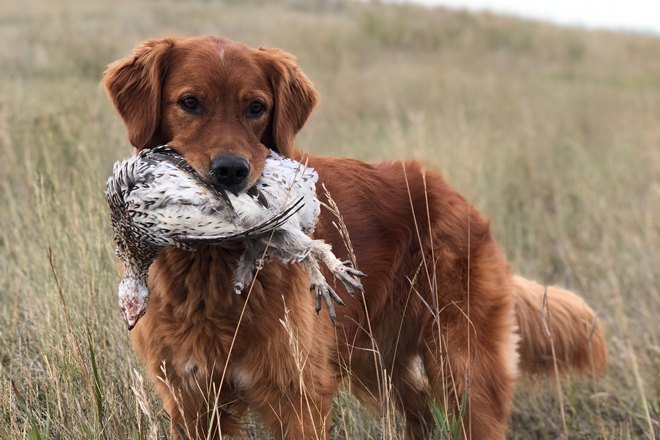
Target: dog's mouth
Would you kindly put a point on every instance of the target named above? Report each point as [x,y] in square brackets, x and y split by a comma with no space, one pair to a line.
[167,153]
[223,189]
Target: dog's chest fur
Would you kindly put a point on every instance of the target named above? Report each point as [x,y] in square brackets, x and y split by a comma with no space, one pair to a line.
[193,315]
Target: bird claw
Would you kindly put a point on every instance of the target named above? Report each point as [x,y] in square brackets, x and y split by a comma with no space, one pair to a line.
[332,294]
[317,309]
[355,272]
[331,310]
[325,292]
[345,275]
[341,270]
[349,268]
[259,263]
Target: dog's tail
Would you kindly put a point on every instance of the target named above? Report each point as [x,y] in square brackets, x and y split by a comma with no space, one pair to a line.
[577,335]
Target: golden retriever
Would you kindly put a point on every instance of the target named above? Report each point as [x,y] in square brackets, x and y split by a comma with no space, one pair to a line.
[440,305]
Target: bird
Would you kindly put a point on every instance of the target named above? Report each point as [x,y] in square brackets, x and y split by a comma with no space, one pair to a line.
[156,199]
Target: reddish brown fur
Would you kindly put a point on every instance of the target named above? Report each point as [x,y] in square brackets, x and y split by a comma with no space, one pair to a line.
[405,224]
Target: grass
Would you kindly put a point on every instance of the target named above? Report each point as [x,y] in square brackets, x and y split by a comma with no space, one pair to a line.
[551,132]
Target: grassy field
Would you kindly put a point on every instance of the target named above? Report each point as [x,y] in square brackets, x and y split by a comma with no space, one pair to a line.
[552,133]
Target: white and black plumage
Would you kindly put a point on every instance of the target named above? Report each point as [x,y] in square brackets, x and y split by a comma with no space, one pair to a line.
[157,199]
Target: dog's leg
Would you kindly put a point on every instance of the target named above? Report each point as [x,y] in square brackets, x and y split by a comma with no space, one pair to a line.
[186,400]
[293,415]
[472,381]
[413,400]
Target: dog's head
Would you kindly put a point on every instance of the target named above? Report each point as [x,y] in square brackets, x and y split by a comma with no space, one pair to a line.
[218,103]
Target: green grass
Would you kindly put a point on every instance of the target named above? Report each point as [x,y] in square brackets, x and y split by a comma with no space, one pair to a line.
[552,133]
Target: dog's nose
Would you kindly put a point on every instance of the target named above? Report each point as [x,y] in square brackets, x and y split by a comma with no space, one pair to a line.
[229,170]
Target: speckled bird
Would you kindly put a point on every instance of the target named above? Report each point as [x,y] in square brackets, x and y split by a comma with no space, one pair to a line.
[157,199]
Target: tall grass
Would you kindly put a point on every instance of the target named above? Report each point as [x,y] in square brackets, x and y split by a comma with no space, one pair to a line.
[552,133]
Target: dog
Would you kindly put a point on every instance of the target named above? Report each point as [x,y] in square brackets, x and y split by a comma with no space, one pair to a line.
[441,318]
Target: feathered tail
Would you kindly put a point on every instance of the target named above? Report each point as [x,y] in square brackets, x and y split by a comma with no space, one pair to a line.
[576,333]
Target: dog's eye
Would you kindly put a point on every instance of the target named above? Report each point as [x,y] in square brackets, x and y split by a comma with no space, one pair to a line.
[189,104]
[256,109]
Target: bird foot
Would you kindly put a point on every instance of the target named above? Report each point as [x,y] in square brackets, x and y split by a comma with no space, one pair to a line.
[325,293]
[261,262]
[345,273]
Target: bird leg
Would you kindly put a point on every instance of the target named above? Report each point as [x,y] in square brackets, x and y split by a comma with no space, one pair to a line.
[341,270]
[245,268]
[296,246]
[292,245]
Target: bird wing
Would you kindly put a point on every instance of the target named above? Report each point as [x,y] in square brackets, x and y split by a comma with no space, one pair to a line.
[282,178]
[263,228]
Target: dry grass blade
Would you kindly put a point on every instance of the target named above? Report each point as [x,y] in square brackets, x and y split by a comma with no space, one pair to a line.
[545,316]
[142,401]
[175,395]
[594,379]
[405,308]
[68,319]
[469,370]
[384,390]
[300,359]
[642,393]
[343,232]
[341,226]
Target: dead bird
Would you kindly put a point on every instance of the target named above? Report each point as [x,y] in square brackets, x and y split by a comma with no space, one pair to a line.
[157,199]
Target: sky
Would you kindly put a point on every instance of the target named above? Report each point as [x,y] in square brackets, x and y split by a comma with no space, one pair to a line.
[629,15]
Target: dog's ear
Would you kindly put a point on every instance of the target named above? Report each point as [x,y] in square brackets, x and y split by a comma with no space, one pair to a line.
[134,85]
[294,100]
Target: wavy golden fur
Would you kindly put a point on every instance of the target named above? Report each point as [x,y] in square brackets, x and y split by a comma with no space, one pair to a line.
[439,293]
